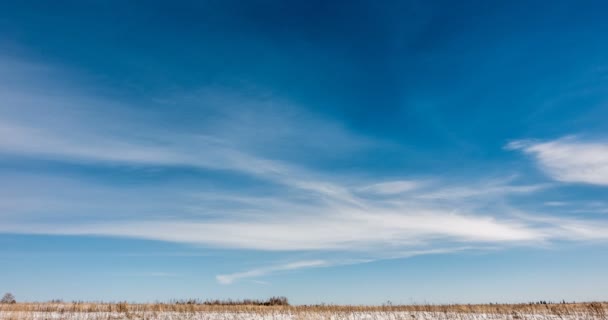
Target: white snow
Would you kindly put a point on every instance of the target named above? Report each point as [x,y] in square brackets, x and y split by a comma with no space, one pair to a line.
[149,315]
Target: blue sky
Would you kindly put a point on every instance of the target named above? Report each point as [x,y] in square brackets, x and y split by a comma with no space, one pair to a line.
[338,152]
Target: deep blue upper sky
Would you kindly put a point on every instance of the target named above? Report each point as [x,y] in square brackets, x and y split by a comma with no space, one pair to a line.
[329,151]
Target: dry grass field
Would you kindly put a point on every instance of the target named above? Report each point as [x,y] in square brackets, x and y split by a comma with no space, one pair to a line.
[179,311]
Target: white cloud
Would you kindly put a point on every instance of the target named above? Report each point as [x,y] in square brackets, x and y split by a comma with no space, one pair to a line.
[569,159]
[304,209]
[391,187]
[484,190]
[305,264]
[556,203]
[348,230]
[149,274]
[89,146]
[232,277]
[566,228]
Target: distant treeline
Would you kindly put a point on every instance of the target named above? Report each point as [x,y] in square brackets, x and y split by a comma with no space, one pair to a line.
[274,301]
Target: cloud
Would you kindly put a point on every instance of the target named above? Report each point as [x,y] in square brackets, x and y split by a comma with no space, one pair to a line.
[232,277]
[391,187]
[567,228]
[94,147]
[569,159]
[345,230]
[252,196]
[579,206]
[150,274]
[555,203]
[269,270]
[483,190]
[246,132]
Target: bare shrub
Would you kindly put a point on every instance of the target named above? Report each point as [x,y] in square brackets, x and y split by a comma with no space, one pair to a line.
[8,298]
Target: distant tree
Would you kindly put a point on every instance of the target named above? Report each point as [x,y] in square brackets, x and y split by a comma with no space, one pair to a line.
[8,298]
[277,301]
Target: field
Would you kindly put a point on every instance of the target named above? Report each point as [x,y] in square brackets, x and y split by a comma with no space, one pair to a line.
[174,311]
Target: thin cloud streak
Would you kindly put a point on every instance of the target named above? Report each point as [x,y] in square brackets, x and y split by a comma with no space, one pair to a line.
[232,277]
[269,270]
[392,187]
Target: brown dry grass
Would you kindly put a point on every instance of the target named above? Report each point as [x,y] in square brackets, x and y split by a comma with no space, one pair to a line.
[595,308]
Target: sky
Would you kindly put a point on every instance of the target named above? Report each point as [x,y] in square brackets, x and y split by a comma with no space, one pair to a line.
[352,152]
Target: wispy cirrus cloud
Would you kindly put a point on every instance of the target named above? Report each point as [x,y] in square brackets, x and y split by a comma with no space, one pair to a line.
[481,190]
[232,277]
[392,187]
[304,264]
[290,207]
[347,230]
[148,274]
[569,159]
